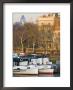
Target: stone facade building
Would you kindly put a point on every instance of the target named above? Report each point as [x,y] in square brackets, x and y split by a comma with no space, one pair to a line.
[49,27]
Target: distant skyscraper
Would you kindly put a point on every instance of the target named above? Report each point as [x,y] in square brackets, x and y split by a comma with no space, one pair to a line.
[22,20]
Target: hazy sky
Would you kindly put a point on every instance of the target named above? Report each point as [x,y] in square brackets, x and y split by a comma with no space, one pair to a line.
[28,16]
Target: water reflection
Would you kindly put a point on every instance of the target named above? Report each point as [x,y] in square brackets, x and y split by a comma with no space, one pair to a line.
[39,75]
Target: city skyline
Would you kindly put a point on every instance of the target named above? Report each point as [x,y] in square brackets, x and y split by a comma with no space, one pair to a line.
[29,17]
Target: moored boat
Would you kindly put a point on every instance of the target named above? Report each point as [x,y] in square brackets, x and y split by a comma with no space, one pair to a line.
[43,66]
[33,71]
[26,70]
[46,70]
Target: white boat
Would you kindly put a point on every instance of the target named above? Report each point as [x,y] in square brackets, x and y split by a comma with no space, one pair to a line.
[34,61]
[40,66]
[31,66]
[39,61]
[19,68]
[43,66]
[26,70]
[23,63]
[33,71]
[45,61]
[46,70]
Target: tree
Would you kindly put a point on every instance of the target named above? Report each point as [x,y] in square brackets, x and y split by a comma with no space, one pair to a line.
[25,36]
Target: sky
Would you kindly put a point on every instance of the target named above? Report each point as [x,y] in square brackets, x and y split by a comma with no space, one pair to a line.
[28,16]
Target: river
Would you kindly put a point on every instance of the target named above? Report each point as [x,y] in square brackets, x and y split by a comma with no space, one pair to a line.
[39,75]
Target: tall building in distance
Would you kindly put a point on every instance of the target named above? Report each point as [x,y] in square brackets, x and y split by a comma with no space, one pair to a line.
[22,20]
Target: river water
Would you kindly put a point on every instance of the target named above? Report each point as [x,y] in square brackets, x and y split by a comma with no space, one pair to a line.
[40,75]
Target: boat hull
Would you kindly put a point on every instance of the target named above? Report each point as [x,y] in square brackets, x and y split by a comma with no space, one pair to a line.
[27,72]
[45,71]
